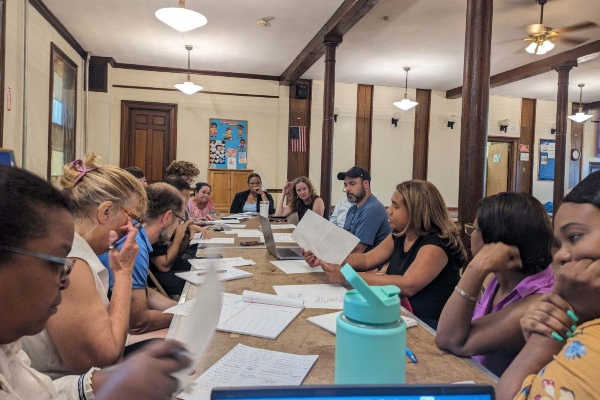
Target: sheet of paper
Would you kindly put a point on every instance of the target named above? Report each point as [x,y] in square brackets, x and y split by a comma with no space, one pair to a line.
[254,319]
[181,308]
[326,240]
[295,267]
[197,277]
[222,221]
[197,329]
[315,296]
[283,238]
[249,366]
[248,233]
[264,298]
[283,226]
[213,241]
[220,262]
[329,321]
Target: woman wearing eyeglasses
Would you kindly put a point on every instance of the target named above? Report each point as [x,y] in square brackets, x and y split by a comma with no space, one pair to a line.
[36,235]
[249,200]
[511,239]
[88,330]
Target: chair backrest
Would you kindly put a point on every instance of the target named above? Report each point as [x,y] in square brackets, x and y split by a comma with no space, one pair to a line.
[155,281]
[293,218]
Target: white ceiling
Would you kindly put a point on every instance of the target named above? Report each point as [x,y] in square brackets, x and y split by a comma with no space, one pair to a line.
[427,35]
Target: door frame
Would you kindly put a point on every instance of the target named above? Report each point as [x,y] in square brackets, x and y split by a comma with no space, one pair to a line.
[513,163]
[127,105]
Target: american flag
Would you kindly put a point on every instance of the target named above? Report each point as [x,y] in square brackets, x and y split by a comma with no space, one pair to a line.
[298,139]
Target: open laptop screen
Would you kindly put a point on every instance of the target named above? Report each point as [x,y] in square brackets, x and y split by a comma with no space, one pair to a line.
[363,392]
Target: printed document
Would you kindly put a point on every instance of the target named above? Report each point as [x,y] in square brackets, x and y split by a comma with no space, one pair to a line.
[295,267]
[197,277]
[220,262]
[325,239]
[315,296]
[213,241]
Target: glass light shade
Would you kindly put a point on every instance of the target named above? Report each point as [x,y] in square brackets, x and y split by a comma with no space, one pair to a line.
[547,45]
[405,104]
[188,87]
[580,117]
[531,48]
[181,19]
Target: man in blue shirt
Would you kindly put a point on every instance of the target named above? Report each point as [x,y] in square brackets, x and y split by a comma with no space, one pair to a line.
[166,208]
[367,218]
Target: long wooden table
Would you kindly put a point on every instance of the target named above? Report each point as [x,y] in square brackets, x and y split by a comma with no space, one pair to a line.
[302,337]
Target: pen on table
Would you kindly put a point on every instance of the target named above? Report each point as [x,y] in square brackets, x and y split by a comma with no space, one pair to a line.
[117,242]
[411,355]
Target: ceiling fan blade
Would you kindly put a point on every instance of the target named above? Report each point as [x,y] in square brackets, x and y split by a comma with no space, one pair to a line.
[575,41]
[577,27]
[501,42]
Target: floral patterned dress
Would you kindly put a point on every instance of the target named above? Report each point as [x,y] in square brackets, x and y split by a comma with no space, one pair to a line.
[573,374]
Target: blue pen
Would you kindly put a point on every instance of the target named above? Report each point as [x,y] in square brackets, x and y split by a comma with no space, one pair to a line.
[411,355]
[117,242]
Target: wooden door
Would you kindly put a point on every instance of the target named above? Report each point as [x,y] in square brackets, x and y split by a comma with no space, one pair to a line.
[239,181]
[220,193]
[498,162]
[148,137]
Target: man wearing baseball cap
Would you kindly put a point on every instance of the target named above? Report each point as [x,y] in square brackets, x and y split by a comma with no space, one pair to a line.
[367,218]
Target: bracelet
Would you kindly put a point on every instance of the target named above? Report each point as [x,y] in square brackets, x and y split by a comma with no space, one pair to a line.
[465,294]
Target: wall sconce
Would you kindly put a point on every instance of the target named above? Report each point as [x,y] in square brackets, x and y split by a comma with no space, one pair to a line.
[504,125]
[553,130]
[395,119]
[451,121]
[336,112]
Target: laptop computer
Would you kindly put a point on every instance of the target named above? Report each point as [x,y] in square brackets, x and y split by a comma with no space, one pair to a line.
[290,253]
[358,392]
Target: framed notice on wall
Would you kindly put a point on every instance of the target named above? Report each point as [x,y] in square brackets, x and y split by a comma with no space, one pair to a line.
[546,160]
[228,143]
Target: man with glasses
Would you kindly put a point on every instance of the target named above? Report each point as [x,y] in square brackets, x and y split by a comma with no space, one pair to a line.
[166,210]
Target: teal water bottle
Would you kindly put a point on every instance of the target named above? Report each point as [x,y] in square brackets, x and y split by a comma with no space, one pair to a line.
[370,339]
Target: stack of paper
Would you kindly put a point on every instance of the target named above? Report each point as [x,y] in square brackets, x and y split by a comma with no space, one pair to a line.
[315,296]
[249,366]
[219,263]
[223,274]
[283,238]
[328,321]
[263,315]
[295,267]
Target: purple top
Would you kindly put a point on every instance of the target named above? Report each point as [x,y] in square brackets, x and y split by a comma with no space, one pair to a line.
[539,283]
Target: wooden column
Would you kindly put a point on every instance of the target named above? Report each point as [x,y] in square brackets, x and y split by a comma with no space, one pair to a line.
[364,126]
[475,94]
[421,142]
[298,162]
[562,109]
[331,43]
[524,181]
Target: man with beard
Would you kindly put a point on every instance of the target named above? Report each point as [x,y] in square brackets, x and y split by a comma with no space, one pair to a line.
[166,208]
[366,218]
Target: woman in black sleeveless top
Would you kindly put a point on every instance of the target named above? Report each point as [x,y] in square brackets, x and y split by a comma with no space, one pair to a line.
[301,196]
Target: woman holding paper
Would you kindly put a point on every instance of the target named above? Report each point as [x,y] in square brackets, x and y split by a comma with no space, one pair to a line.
[88,330]
[424,251]
[34,271]
[511,239]
[302,196]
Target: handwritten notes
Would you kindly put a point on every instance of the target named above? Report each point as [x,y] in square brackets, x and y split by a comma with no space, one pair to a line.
[295,267]
[329,321]
[326,240]
[315,296]
[249,366]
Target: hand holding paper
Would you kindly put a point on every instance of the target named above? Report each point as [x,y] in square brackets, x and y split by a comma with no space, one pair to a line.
[326,240]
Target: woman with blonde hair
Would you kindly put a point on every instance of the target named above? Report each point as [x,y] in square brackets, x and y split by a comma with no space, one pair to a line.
[88,330]
[424,251]
[301,196]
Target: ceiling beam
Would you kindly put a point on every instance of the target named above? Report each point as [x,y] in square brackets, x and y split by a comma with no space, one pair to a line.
[346,16]
[534,68]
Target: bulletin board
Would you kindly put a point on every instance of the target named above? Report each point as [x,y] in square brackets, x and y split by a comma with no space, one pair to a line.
[7,157]
[546,160]
[228,143]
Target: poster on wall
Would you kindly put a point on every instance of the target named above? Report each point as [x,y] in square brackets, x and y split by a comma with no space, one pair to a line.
[546,161]
[228,140]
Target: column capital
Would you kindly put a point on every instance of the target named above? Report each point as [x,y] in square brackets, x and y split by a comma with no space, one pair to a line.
[331,40]
[567,65]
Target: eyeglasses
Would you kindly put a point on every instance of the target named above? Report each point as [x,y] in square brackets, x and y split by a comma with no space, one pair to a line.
[67,263]
[181,219]
[138,223]
[254,183]
[470,229]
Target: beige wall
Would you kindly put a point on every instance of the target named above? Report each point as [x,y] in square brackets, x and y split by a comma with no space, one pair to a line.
[41,35]
[590,143]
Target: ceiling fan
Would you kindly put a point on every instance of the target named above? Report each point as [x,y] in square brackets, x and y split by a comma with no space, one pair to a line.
[265,21]
[542,36]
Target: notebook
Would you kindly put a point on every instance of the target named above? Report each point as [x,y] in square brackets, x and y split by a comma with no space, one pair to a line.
[358,392]
[280,254]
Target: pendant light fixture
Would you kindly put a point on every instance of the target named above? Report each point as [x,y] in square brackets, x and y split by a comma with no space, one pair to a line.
[188,87]
[181,18]
[580,116]
[405,103]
